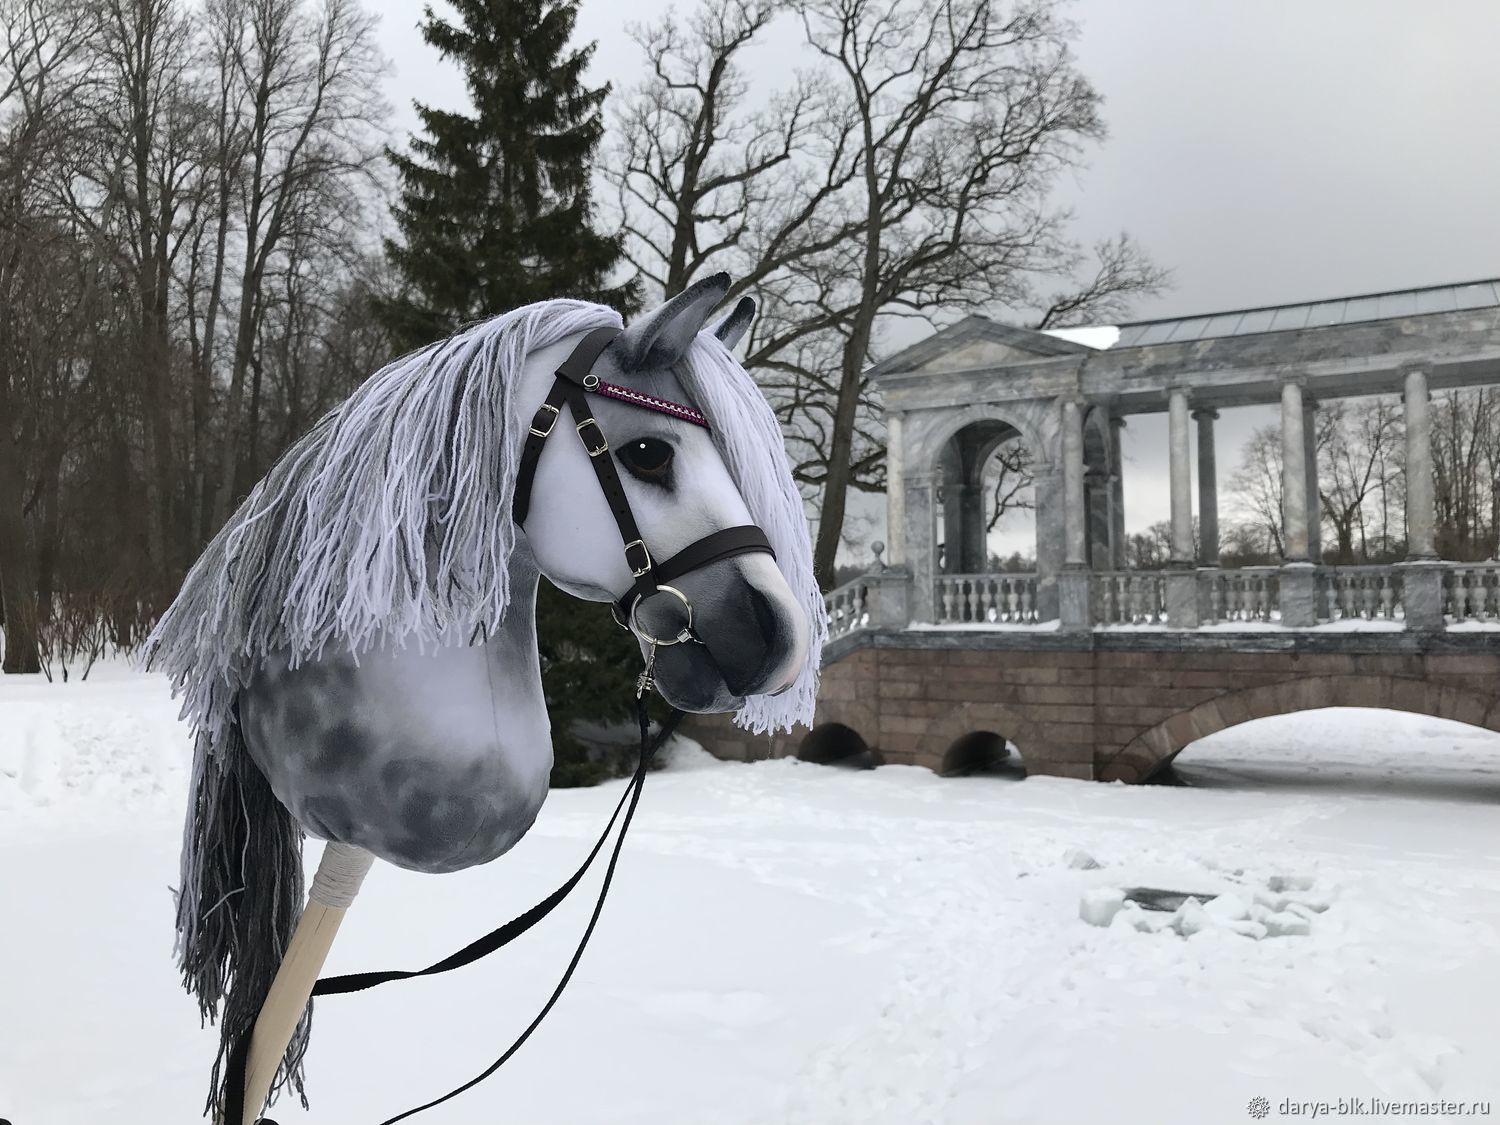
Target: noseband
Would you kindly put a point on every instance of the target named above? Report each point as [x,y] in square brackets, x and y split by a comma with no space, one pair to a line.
[574,381]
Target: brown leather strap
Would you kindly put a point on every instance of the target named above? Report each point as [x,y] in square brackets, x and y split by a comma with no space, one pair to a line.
[636,555]
[722,544]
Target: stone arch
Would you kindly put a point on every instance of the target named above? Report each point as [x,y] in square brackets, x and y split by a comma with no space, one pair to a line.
[836,744]
[965,718]
[979,751]
[1150,750]
[1022,417]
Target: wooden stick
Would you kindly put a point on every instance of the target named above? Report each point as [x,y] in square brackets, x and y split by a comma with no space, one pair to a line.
[340,873]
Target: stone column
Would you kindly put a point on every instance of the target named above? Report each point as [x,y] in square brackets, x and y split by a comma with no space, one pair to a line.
[1117,497]
[1179,451]
[1293,476]
[1314,497]
[1074,609]
[1422,578]
[1208,490]
[921,541]
[1298,576]
[1074,521]
[1420,496]
[1047,482]
[949,480]
[974,555]
[895,488]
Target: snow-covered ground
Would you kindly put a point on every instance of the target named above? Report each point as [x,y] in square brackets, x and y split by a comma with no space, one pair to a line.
[800,944]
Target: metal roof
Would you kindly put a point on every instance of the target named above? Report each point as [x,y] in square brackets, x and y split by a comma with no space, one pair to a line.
[1313,314]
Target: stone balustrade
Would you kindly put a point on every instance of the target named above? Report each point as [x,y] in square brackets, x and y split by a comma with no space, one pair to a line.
[1130,597]
[1469,594]
[1246,594]
[848,607]
[1001,599]
[1351,593]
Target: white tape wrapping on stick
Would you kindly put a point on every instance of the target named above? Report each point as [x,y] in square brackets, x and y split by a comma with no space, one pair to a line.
[341,872]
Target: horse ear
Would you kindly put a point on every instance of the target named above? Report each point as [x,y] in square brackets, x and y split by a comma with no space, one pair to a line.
[663,337]
[732,328]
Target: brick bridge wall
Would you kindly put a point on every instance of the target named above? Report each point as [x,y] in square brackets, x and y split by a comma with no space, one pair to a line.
[1118,706]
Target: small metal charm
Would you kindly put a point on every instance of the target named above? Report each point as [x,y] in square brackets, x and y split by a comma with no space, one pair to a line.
[644,682]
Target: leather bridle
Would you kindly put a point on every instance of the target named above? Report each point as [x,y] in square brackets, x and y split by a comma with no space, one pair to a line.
[574,381]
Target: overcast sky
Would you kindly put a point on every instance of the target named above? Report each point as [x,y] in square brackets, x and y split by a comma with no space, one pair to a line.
[1266,152]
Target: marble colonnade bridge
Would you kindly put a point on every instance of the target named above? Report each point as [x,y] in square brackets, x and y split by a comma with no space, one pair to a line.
[1098,671]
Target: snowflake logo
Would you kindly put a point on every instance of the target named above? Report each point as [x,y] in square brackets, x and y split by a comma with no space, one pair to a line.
[1259,1107]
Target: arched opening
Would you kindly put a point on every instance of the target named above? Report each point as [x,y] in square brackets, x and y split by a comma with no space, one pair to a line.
[982,753]
[834,744]
[1358,752]
[986,500]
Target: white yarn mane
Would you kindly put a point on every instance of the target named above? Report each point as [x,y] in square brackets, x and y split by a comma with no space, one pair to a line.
[390,520]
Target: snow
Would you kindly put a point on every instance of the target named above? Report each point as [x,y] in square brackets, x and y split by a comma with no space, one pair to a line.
[1093,336]
[805,945]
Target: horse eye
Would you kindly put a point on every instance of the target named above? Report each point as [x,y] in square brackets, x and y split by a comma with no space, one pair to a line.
[647,458]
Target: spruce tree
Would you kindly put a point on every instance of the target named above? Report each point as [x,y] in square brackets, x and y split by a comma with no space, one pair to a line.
[494,213]
[495,205]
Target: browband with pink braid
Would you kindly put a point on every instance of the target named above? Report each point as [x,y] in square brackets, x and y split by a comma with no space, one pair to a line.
[651,402]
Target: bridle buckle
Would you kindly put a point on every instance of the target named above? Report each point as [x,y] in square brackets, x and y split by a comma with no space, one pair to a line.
[646,554]
[603,446]
[551,418]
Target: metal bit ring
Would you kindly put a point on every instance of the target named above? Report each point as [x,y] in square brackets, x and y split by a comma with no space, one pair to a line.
[686,633]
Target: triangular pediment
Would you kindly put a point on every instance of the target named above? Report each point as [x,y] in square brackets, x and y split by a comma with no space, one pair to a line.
[976,342]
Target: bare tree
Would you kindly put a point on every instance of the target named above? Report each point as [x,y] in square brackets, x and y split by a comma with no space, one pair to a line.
[962,115]
[1355,447]
[1010,482]
[310,82]
[707,177]
[41,49]
[1462,426]
[1256,484]
[910,179]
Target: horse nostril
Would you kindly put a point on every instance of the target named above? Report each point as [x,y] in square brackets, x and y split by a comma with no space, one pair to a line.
[765,614]
[764,659]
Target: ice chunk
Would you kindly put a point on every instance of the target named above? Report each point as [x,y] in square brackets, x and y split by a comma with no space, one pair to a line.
[1288,925]
[1272,900]
[1080,860]
[1280,883]
[1228,908]
[1308,900]
[1099,906]
[1192,918]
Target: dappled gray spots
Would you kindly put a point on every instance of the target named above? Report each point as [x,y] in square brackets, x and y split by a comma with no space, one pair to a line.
[369,756]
